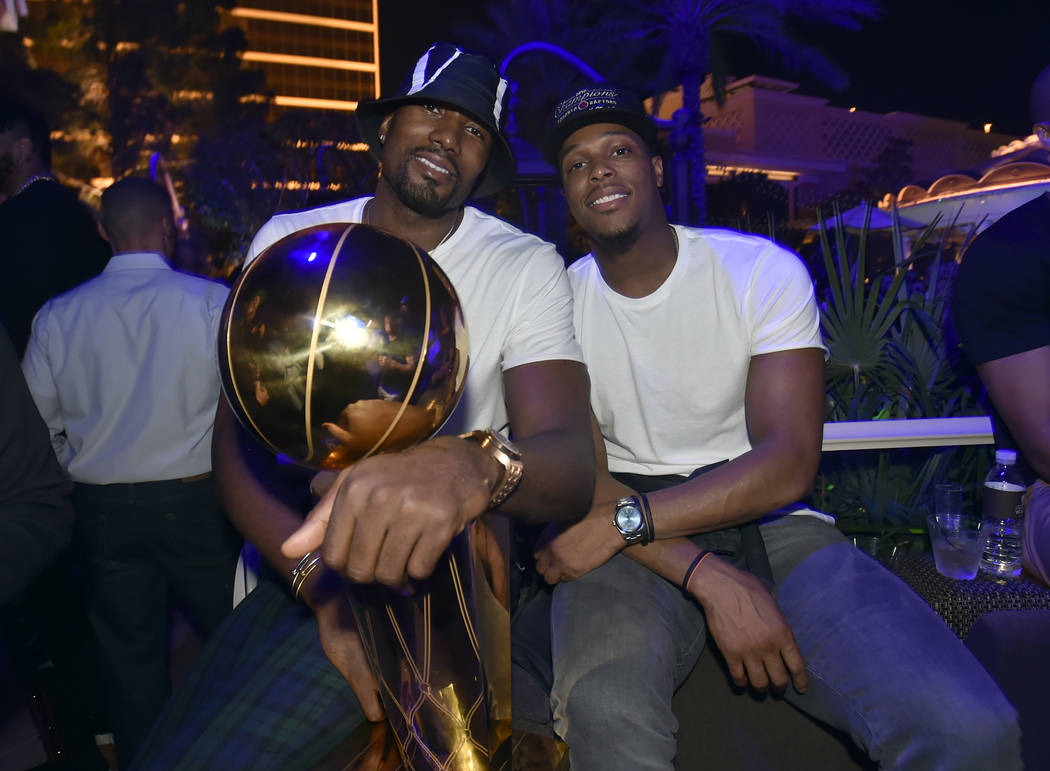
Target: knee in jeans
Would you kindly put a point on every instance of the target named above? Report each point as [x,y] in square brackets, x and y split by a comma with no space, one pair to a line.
[977,737]
[987,738]
[606,702]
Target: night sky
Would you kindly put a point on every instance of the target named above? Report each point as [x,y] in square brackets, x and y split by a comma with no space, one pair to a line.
[968,60]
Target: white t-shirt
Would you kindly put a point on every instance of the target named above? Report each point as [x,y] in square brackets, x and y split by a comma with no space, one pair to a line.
[515,296]
[669,370]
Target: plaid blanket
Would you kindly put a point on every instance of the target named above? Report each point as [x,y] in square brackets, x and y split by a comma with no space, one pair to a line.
[262,696]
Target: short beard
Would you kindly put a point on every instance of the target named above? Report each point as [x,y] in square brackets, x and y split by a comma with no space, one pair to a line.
[618,242]
[420,197]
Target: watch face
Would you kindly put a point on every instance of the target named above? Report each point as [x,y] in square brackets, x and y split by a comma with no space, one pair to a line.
[629,518]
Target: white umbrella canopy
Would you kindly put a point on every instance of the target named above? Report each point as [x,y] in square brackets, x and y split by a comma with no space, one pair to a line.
[979,207]
[979,200]
[853,220]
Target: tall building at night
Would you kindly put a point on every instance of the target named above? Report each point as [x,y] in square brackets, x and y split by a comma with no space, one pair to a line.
[316,54]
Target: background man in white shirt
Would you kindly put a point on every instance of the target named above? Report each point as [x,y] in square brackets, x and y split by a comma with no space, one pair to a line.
[123,371]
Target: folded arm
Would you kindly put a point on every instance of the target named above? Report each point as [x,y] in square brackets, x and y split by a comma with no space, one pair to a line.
[784,408]
[390,517]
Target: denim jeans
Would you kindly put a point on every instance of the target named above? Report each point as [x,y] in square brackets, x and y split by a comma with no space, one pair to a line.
[882,665]
[1036,541]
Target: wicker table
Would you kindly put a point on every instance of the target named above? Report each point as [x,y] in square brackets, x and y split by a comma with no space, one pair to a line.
[960,603]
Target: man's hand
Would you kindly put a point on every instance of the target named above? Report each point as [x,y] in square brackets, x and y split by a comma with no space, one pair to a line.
[569,552]
[325,593]
[493,562]
[746,624]
[391,517]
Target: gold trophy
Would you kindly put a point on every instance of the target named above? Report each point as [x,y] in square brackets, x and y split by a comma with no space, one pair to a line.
[342,341]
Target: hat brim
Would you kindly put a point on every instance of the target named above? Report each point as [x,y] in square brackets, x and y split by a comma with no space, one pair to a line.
[641,125]
[500,169]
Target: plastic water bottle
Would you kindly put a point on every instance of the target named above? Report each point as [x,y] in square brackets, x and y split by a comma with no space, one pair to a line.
[1002,517]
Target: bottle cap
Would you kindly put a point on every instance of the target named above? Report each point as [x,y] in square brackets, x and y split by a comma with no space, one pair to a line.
[1006,457]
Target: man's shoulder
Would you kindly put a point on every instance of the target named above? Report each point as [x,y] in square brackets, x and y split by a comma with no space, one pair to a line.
[76,294]
[740,254]
[340,211]
[499,233]
[1020,235]
[285,223]
[725,242]
[49,192]
[67,304]
[108,284]
[582,268]
[33,213]
[498,250]
[199,285]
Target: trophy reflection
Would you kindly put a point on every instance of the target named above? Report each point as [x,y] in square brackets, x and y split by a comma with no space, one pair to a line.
[342,341]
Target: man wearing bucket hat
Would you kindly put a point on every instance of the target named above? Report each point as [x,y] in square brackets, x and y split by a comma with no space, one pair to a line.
[741,399]
[438,141]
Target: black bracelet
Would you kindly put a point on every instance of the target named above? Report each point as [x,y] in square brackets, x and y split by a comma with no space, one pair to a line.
[647,513]
[692,569]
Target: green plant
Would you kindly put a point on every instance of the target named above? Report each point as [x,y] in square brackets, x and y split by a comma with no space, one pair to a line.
[889,357]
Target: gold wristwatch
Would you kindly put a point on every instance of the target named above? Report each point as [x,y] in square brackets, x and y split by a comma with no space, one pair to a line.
[507,455]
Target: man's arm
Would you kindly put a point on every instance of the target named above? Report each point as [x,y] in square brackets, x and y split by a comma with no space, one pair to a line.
[392,516]
[36,368]
[259,515]
[36,520]
[266,521]
[549,408]
[784,405]
[784,408]
[1020,388]
[742,616]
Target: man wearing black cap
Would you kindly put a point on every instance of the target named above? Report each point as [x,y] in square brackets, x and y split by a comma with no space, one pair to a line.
[439,142]
[704,352]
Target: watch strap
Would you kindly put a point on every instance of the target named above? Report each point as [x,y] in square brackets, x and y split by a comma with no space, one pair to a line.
[503,451]
[638,536]
[647,513]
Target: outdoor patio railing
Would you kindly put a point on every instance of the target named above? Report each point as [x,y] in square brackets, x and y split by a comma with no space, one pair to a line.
[913,432]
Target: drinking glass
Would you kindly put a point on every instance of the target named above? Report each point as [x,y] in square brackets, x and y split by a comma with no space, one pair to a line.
[948,502]
[956,546]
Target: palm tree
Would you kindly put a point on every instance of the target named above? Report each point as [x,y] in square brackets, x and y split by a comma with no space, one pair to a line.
[694,34]
[889,359]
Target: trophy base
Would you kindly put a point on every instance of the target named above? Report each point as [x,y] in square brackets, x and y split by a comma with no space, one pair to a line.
[371,747]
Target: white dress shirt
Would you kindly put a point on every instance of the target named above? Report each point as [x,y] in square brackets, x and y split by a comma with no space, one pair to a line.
[124,372]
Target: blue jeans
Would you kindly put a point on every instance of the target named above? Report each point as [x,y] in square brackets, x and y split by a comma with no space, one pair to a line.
[882,665]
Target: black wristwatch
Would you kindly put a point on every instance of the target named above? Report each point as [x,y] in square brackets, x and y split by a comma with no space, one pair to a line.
[629,519]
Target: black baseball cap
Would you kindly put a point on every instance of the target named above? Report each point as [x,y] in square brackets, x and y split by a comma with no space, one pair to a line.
[601,103]
[469,82]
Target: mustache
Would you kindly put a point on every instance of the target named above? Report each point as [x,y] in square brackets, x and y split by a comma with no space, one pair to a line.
[430,150]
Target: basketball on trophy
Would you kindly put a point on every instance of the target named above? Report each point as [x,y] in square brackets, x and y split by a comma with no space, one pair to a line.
[341,341]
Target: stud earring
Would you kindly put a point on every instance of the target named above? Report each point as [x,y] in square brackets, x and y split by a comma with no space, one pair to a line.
[382,138]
